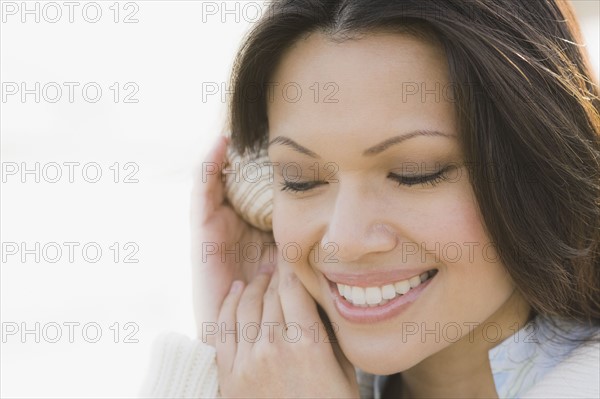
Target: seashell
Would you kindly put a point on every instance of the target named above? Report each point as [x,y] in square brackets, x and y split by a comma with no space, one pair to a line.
[249,187]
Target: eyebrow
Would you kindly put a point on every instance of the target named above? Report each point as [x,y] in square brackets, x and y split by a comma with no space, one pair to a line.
[374,150]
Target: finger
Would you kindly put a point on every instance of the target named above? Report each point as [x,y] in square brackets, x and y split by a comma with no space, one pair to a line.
[227,339]
[267,254]
[272,315]
[297,304]
[207,190]
[249,310]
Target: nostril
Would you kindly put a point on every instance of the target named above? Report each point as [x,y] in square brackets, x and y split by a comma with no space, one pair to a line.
[384,228]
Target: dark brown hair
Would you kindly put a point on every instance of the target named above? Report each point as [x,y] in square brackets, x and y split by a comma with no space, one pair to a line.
[527,105]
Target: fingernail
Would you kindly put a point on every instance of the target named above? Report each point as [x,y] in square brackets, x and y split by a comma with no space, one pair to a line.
[235,286]
[266,268]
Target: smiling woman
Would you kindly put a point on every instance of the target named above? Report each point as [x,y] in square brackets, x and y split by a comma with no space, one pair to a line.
[442,204]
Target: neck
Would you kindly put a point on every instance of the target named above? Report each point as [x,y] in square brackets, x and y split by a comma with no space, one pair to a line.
[463,368]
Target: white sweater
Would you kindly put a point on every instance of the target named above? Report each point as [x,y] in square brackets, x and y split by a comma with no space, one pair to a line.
[185,368]
[181,368]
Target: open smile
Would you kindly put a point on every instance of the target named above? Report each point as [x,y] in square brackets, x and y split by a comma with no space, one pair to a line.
[366,304]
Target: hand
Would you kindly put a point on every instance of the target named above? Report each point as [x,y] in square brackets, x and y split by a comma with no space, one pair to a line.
[221,244]
[281,348]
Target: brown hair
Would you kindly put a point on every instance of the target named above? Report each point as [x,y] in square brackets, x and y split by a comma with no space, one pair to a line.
[527,106]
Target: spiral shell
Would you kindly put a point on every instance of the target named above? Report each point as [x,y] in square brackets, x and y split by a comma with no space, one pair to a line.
[249,187]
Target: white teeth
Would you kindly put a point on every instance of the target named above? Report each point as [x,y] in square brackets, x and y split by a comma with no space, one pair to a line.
[378,296]
[358,296]
[402,287]
[388,291]
[373,295]
[348,293]
[414,281]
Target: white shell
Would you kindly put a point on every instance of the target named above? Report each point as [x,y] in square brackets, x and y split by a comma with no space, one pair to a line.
[249,187]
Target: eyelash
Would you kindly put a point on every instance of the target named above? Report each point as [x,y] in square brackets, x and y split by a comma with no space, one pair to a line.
[297,187]
[432,180]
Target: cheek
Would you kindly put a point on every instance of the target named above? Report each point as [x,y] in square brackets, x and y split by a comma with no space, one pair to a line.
[473,282]
[446,226]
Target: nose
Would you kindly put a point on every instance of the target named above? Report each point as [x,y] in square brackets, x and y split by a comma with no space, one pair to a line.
[357,226]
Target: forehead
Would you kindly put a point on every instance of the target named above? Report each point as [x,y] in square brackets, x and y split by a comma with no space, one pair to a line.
[380,84]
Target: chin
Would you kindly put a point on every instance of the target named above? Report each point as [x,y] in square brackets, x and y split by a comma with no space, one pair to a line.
[383,352]
[386,361]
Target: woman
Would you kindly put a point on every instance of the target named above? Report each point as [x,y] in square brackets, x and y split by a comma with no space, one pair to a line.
[436,209]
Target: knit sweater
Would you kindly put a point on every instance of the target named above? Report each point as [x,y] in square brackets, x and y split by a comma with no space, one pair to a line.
[548,366]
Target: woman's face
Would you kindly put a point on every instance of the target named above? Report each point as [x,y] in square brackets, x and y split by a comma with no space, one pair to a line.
[362,129]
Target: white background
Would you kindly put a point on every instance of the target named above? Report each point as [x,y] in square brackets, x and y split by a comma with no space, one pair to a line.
[169,53]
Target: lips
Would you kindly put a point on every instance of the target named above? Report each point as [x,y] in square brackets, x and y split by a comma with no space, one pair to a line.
[369,298]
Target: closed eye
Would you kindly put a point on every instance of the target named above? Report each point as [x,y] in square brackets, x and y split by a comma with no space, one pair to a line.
[296,187]
[412,180]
